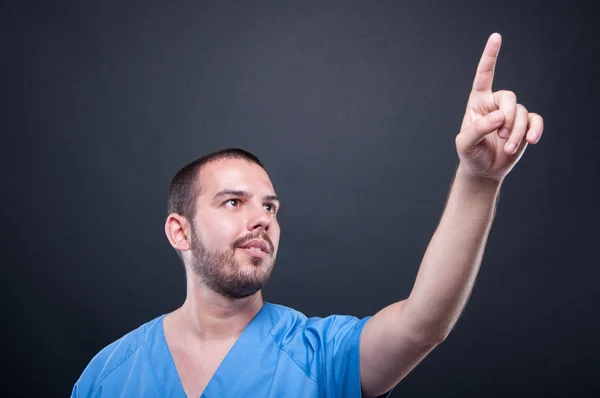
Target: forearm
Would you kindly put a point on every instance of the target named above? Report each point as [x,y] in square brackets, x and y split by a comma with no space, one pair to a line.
[451,262]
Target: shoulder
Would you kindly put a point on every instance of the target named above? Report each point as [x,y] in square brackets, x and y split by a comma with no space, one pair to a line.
[112,357]
[325,349]
[290,323]
[285,319]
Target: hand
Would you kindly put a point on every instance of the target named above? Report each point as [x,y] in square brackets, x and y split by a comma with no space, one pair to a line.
[495,130]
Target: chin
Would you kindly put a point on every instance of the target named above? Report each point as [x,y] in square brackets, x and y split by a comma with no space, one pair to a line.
[259,264]
[259,267]
[252,261]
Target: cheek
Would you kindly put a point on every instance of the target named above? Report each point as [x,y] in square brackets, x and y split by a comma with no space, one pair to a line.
[274,234]
[217,232]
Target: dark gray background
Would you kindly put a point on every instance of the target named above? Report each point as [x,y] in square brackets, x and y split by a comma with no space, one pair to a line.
[353,108]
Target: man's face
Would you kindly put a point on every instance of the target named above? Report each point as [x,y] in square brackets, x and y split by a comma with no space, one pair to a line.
[235,230]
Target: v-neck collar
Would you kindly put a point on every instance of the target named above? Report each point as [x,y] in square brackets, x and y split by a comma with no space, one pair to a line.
[229,370]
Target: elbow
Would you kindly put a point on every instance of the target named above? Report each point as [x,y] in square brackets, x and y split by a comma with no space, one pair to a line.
[435,335]
[436,339]
[430,327]
[441,337]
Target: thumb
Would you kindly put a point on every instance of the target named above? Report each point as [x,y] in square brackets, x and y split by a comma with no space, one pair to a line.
[474,133]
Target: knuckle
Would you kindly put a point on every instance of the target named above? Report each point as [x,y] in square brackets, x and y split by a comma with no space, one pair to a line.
[521,108]
[459,141]
[508,95]
[536,118]
[538,121]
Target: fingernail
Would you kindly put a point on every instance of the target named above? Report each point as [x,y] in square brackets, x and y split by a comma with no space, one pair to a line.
[503,133]
[510,147]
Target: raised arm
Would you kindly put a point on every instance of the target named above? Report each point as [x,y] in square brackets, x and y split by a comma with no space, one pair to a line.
[398,337]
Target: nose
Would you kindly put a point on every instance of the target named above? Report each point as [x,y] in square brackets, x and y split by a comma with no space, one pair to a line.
[259,218]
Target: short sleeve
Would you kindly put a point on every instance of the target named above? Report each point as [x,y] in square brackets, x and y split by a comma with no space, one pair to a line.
[339,345]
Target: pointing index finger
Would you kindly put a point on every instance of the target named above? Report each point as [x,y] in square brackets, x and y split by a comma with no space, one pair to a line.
[485,70]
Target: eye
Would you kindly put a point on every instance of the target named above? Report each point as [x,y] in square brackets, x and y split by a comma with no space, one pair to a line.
[233,202]
[270,207]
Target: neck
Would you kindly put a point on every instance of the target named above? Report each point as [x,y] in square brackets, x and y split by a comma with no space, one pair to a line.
[210,316]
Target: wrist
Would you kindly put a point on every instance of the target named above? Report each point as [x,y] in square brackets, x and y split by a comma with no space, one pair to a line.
[478,183]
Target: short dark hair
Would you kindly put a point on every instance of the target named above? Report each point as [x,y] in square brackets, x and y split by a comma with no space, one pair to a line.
[185,187]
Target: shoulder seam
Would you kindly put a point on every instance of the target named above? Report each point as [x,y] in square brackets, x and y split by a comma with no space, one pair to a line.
[284,308]
[293,360]
[99,381]
[356,322]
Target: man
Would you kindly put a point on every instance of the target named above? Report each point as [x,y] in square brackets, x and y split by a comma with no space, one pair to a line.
[225,341]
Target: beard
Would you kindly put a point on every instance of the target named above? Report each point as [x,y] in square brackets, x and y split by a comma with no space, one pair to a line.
[222,273]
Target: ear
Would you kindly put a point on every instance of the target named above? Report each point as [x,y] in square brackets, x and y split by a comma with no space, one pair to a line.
[177,229]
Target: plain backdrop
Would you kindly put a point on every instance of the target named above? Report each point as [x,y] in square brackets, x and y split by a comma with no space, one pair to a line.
[353,108]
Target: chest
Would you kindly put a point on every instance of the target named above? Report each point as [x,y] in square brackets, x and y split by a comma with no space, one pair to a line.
[197,366]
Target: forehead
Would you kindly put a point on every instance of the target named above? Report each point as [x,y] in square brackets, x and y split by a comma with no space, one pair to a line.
[235,174]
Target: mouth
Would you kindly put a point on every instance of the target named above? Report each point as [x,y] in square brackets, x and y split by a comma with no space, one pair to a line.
[256,248]
[254,252]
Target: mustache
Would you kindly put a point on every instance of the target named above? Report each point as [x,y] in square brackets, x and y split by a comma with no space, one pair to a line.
[254,235]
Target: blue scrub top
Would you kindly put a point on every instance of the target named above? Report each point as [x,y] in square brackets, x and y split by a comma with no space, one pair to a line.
[281,353]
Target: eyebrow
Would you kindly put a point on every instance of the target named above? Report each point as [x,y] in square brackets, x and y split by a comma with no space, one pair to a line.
[243,194]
